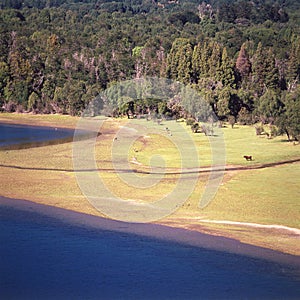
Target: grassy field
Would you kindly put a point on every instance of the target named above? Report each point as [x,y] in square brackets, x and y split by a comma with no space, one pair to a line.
[265,195]
[43,120]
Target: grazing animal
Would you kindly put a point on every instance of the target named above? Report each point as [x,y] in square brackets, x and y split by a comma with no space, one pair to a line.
[248,157]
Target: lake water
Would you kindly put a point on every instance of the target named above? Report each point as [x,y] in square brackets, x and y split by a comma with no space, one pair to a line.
[49,253]
[23,136]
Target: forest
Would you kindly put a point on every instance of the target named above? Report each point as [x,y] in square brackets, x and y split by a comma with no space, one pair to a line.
[242,57]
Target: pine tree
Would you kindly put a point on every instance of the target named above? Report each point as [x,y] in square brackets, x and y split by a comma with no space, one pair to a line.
[196,63]
[33,101]
[265,71]
[174,57]
[4,76]
[223,103]
[185,64]
[289,119]
[269,106]
[271,71]
[293,66]
[204,60]
[258,67]
[214,60]
[225,71]
[243,64]
[228,103]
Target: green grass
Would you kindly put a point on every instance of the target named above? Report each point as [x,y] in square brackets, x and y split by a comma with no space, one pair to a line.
[242,140]
[239,141]
[36,119]
[266,196]
[178,146]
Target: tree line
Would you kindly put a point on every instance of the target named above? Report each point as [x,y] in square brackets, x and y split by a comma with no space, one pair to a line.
[243,57]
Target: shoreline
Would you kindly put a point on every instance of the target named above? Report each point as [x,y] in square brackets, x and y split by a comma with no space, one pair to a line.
[180,221]
[53,253]
[162,232]
[37,120]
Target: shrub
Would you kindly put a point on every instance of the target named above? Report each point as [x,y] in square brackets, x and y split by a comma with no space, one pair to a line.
[195,127]
[10,106]
[231,121]
[207,130]
[190,121]
[245,117]
[259,129]
[273,131]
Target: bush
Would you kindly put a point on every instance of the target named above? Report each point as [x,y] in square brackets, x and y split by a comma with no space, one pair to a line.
[231,121]
[10,106]
[259,129]
[195,127]
[207,130]
[190,122]
[20,108]
[273,131]
[245,117]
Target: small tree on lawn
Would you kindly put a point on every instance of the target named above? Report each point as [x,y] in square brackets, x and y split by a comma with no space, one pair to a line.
[289,120]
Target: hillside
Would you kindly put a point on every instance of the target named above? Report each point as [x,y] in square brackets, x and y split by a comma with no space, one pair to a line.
[243,57]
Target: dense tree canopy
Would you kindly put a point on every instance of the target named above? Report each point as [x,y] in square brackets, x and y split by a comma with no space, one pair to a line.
[242,56]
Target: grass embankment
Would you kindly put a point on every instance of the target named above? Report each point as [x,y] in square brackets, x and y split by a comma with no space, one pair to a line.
[266,196]
[64,121]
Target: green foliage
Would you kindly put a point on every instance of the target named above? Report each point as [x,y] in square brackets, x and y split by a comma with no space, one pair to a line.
[32,101]
[269,106]
[265,71]
[195,127]
[289,120]
[190,121]
[243,64]
[225,73]
[259,129]
[55,56]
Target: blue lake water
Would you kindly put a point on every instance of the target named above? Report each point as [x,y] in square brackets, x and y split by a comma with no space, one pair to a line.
[44,257]
[24,135]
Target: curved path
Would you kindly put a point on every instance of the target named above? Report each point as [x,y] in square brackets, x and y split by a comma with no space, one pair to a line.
[295,231]
[158,170]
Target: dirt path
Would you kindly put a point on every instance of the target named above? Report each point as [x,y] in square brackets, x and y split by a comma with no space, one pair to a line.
[226,168]
[292,230]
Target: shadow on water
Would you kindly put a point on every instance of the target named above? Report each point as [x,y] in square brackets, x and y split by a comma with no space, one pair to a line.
[51,253]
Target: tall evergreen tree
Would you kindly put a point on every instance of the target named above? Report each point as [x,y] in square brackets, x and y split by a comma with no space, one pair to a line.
[265,71]
[289,120]
[196,62]
[181,49]
[214,60]
[293,66]
[269,106]
[225,72]
[271,70]
[259,68]
[243,64]
[185,64]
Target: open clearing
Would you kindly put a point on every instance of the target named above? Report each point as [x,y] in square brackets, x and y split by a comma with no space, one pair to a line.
[249,193]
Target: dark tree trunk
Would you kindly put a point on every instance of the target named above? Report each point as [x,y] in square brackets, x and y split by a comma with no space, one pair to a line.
[288,135]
